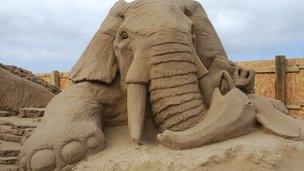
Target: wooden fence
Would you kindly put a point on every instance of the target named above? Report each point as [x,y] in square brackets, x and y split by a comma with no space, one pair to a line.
[59,79]
[281,79]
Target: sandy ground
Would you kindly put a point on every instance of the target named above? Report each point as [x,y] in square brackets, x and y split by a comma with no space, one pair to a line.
[255,151]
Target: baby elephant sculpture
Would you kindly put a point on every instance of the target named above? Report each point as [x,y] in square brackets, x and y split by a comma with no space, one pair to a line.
[159,54]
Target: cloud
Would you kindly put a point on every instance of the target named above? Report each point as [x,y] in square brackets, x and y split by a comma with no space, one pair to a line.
[256,29]
[43,35]
[57,31]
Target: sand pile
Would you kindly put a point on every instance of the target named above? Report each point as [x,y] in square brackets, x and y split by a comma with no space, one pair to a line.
[255,151]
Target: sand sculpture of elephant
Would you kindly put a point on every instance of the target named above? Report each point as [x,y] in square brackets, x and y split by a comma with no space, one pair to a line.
[162,55]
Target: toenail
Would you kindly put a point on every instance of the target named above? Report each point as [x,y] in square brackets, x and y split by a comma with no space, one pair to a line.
[43,160]
[93,142]
[73,152]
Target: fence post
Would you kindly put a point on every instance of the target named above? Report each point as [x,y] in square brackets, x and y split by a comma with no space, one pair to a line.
[280,72]
[55,78]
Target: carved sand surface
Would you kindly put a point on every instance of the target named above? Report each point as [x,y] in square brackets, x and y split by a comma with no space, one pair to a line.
[14,130]
[21,89]
[162,60]
[28,75]
[255,151]
[20,94]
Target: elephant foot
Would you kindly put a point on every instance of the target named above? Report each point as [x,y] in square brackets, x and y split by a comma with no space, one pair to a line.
[229,116]
[59,145]
[272,114]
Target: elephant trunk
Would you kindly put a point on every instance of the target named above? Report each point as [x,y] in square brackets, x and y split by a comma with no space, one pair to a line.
[175,96]
[170,73]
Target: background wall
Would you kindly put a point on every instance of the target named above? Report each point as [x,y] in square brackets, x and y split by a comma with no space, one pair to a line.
[294,82]
[265,81]
[60,79]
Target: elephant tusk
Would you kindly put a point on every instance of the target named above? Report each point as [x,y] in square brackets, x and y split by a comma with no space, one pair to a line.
[136,104]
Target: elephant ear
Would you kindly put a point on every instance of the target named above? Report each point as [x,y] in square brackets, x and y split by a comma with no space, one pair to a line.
[97,62]
[208,44]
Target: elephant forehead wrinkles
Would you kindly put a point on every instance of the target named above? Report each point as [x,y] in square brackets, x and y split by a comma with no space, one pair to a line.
[172,35]
[170,47]
[147,16]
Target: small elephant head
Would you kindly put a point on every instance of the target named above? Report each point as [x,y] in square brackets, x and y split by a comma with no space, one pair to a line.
[158,47]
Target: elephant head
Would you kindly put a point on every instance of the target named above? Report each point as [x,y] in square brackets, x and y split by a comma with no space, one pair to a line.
[161,50]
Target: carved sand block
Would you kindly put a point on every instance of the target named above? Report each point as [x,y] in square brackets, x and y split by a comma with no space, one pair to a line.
[13,132]
[16,92]
[158,59]
[28,75]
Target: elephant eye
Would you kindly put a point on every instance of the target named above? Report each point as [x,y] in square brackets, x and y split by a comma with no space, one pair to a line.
[187,12]
[192,29]
[124,35]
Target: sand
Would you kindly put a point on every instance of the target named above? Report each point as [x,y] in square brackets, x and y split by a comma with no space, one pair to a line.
[255,151]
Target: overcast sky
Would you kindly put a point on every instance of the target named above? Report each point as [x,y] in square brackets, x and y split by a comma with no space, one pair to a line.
[46,35]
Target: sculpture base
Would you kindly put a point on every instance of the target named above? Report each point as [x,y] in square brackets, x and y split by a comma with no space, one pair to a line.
[255,151]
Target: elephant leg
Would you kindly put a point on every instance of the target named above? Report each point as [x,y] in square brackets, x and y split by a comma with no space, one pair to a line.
[272,115]
[229,116]
[69,132]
